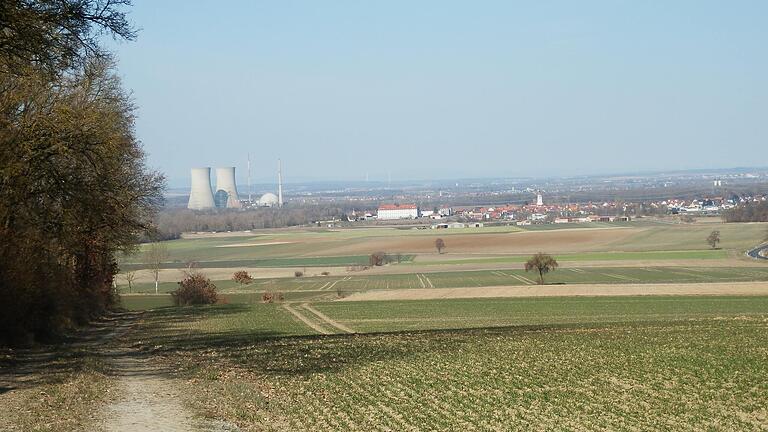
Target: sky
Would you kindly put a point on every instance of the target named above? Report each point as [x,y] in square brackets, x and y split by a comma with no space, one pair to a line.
[448,89]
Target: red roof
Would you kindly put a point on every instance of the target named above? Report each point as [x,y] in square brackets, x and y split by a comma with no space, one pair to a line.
[397,207]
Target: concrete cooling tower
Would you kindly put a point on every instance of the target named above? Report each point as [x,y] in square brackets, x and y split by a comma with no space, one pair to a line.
[226,190]
[201,195]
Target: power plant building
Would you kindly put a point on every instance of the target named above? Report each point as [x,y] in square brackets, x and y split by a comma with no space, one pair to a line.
[201,194]
[203,197]
[269,200]
[226,189]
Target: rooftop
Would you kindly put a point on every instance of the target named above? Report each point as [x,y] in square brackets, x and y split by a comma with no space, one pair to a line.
[398,207]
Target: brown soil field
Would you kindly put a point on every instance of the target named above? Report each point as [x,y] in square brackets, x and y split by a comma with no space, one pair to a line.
[175,275]
[556,241]
[590,290]
[435,268]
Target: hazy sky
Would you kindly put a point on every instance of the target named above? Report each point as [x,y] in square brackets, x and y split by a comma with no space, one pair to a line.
[444,89]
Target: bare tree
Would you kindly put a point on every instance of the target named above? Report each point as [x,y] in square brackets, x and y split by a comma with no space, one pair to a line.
[130,276]
[377,259]
[242,277]
[713,239]
[439,245]
[542,263]
[154,258]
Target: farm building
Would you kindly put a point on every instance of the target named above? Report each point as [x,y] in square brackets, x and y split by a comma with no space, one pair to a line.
[451,225]
[398,211]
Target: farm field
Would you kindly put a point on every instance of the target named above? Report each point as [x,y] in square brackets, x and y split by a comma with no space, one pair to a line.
[631,243]
[688,363]
[483,278]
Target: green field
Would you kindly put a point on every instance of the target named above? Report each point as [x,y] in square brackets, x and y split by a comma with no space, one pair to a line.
[308,247]
[591,256]
[682,363]
[331,261]
[387,316]
[535,363]
[481,278]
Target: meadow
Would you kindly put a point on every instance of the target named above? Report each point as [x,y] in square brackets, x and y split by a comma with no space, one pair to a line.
[316,361]
[344,285]
[348,246]
[692,363]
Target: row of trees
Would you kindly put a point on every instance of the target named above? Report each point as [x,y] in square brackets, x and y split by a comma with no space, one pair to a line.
[750,212]
[172,222]
[74,188]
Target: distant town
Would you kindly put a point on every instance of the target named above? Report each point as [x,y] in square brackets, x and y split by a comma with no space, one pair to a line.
[476,202]
[613,211]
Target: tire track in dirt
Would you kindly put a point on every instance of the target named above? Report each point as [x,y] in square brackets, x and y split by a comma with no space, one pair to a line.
[327,319]
[620,277]
[522,279]
[305,320]
[331,285]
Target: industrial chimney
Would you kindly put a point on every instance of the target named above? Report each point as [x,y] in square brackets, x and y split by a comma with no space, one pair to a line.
[201,195]
[226,190]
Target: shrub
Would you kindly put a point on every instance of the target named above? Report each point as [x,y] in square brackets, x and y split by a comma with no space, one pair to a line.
[377,259]
[298,273]
[271,297]
[242,277]
[195,289]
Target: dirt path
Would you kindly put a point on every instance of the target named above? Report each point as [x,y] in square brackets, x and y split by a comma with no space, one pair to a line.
[148,399]
[327,319]
[148,402]
[629,289]
[305,320]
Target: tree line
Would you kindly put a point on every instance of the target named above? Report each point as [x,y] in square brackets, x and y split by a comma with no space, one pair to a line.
[171,223]
[749,212]
[74,187]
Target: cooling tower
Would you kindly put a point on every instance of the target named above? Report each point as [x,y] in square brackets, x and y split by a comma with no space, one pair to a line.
[201,195]
[226,190]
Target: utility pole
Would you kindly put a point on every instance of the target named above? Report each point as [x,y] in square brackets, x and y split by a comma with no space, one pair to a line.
[279,183]
[249,179]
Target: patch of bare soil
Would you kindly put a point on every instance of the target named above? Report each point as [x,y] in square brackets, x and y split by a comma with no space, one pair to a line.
[555,241]
[727,288]
[225,273]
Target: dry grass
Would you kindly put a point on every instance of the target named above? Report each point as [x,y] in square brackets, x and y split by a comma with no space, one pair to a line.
[58,388]
[727,288]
